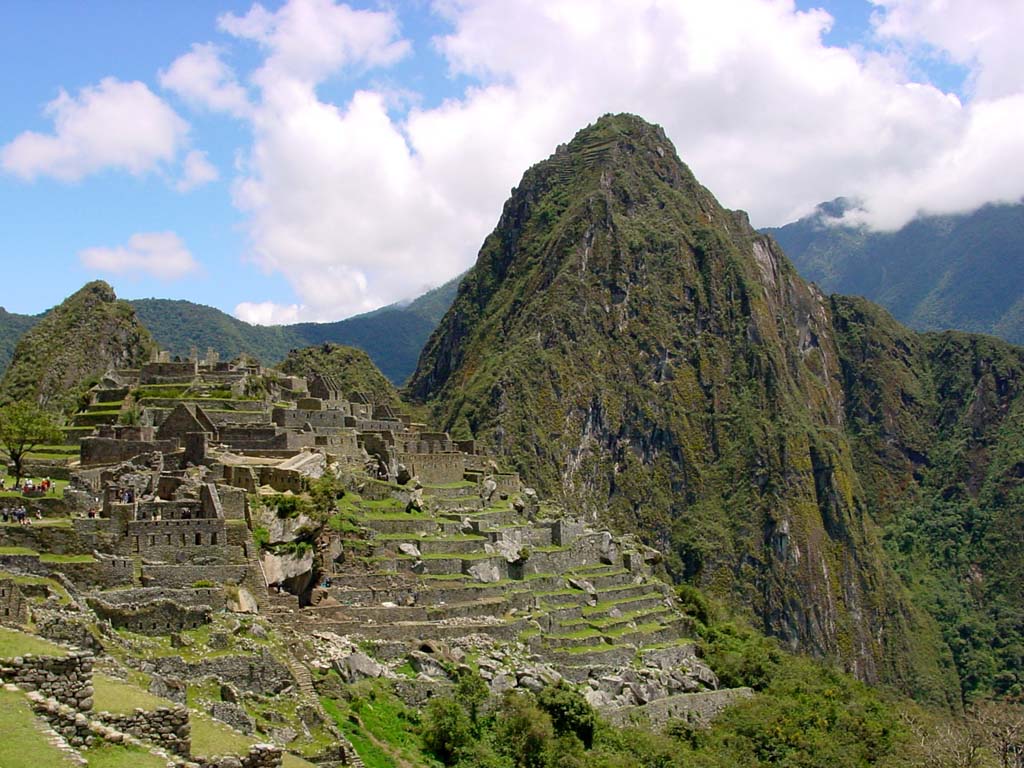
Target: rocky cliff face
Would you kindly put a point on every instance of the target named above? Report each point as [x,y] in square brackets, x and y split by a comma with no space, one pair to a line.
[79,340]
[646,355]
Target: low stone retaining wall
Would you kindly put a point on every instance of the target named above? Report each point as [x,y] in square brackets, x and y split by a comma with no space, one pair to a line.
[67,679]
[79,731]
[696,708]
[166,727]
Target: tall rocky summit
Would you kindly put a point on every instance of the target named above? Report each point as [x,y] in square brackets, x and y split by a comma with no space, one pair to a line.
[649,357]
[77,341]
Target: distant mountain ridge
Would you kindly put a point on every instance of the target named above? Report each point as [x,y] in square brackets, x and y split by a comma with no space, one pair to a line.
[963,271]
[392,336]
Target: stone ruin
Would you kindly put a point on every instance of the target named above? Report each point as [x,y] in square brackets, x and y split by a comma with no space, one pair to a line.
[445,555]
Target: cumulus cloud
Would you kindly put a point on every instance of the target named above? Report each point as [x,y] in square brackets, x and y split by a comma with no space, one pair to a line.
[202,79]
[983,35]
[114,124]
[197,170]
[310,39]
[268,313]
[156,254]
[360,203]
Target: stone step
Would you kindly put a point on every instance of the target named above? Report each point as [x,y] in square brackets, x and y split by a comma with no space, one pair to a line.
[484,606]
[643,616]
[622,591]
[624,605]
[392,525]
[409,631]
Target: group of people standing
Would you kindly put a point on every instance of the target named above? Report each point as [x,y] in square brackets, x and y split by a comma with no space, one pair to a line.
[29,486]
[17,515]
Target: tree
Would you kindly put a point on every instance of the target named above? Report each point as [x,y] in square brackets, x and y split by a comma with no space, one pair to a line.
[446,729]
[23,426]
[524,730]
[569,711]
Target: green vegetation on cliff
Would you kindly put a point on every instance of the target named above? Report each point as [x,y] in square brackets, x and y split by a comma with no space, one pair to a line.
[937,422]
[351,367]
[646,356]
[72,346]
[12,327]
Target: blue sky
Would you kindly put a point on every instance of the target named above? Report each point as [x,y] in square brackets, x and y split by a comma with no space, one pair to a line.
[310,160]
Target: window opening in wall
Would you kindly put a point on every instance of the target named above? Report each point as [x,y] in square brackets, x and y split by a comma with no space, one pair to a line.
[199,538]
[213,538]
[152,540]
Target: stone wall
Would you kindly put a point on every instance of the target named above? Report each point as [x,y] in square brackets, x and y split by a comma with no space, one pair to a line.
[13,606]
[256,672]
[68,679]
[161,616]
[435,468]
[105,450]
[232,502]
[178,540]
[165,732]
[695,708]
[507,482]
[166,727]
[182,576]
[298,418]
[168,373]
[104,572]
[170,510]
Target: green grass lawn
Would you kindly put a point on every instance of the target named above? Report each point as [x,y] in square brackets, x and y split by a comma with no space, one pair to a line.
[17,551]
[24,745]
[50,558]
[121,698]
[210,737]
[120,756]
[56,491]
[15,643]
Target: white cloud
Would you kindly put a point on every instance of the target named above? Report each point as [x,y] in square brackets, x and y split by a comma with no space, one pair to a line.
[356,207]
[268,313]
[110,125]
[201,79]
[158,254]
[983,35]
[197,171]
[310,39]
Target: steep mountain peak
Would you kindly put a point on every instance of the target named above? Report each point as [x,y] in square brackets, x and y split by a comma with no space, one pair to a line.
[95,290]
[77,341]
[645,355]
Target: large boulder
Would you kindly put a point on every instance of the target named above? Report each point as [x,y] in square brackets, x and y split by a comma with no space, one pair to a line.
[357,666]
[291,571]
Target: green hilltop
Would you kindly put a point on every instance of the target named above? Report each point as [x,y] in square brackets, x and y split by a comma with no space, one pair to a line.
[73,345]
